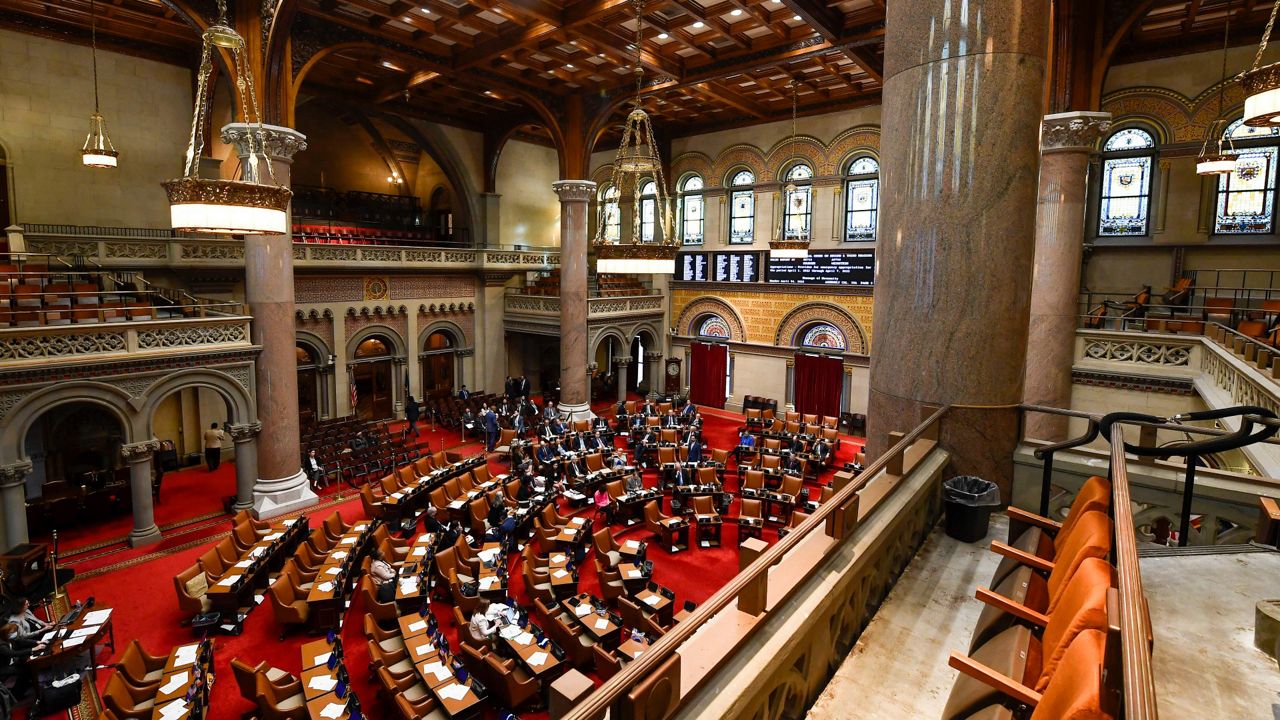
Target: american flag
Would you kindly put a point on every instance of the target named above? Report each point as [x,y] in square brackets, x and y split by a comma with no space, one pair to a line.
[354,396]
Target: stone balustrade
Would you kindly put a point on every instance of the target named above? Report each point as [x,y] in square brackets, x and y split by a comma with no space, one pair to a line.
[23,347]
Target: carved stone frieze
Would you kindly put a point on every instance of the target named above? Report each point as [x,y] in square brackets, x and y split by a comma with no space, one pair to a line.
[192,336]
[136,250]
[1137,351]
[279,143]
[139,451]
[211,250]
[14,473]
[27,347]
[244,432]
[1073,131]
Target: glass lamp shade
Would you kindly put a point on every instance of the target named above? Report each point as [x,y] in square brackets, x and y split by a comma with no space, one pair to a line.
[228,207]
[1262,96]
[636,259]
[98,151]
[1215,164]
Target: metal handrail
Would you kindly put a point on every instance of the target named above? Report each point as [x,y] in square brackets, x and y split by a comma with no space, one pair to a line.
[595,704]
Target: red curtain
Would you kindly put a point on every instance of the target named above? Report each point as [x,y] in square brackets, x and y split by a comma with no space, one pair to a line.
[819,382]
[707,375]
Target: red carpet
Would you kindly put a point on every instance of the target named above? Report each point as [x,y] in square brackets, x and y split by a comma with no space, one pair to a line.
[143,593]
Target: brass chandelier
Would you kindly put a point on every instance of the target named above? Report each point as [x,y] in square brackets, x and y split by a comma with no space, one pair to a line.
[1261,84]
[1222,162]
[98,152]
[782,246]
[638,161]
[235,207]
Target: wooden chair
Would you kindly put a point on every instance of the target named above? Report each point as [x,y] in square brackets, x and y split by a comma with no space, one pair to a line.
[191,586]
[607,663]
[607,547]
[140,668]
[288,606]
[127,702]
[247,680]
[385,614]
[750,520]
[273,704]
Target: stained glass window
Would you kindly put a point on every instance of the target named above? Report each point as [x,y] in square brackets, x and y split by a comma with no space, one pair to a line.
[823,335]
[862,199]
[742,208]
[1246,197]
[1126,183]
[714,326]
[692,209]
[612,214]
[799,202]
[648,211]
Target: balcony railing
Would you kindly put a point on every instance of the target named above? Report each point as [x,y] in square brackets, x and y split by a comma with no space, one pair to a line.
[23,347]
[597,307]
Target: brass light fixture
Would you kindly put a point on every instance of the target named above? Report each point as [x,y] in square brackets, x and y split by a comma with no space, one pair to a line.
[1222,162]
[636,163]
[98,152]
[235,207]
[1262,84]
[782,246]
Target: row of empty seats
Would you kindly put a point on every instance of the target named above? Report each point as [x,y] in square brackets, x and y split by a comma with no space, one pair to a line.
[355,235]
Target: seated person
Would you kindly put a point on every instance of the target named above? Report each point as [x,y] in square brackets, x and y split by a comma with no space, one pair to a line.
[502,613]
[670,420]
[313,468]
[618,460]
[383,575]
[468,420]
[680,476]
[546,453]
[549,412]
[28,624]
[603,503]
[634,483]
[360,441]
[823,451]
[430,523]
[555,427]
[689,410]
[600,425]
[482,627]
[649,409]
[14,654]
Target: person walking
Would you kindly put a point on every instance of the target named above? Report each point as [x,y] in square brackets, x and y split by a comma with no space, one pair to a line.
[213,438]
[490,429]
[411,414]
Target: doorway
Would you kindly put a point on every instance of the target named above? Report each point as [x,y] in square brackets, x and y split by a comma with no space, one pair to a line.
[373,378]
[439,364]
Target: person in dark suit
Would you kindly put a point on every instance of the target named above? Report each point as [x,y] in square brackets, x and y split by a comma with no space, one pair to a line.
[555,426]
[14,654]
[315,471]
[695,449]
[522,387]
[518,424]
[689,410]
[411,413]
[430,523]
[509,387]
[823,451]
[464,393]
[490,429]
[680,476]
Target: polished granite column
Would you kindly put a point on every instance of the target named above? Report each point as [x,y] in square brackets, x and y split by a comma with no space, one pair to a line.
[268,269]
[139,456]
[13,496]
[245,438]
[622,363]
[964,83]
[575,386]
[653,372]
[1066,139]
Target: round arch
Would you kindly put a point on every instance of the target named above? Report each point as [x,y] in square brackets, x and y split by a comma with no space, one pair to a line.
[320,345]
[239,404]
[702,306]
[609,332]
[397,343]
[727,179]
[452,328]
[787,153]
[18,422]
[809,313]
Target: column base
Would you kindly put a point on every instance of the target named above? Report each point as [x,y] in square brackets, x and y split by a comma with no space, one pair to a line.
[145,536]
[277,497]
[581,411]
[239,505]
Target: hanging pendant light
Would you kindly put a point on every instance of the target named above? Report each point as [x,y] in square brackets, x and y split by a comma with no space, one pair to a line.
[98,152]
[1262,84]
[782,247]
[637,161]
[229,207]
[1220,162]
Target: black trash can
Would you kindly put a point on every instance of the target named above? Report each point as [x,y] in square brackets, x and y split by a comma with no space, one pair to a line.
[968,501]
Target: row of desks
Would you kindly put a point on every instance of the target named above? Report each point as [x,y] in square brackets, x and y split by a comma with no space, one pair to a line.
[235,591]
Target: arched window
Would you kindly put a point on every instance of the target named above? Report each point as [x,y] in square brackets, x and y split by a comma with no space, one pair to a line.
[372,348]
[714,326]
[742,207]
[861,199]
[1246,197]
[822,335]
[648,211]
[798,215]
[612,213]
[691,210]
[1128,157]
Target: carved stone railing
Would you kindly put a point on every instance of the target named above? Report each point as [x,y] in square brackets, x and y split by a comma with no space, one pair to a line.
[1133,350]
[147,250]
[597,308]
[94,343]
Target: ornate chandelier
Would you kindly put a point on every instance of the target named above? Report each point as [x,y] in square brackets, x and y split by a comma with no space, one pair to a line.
[653,245]
[98,152]
[235,207]
[1220,162]
[1262,84]
[783,246]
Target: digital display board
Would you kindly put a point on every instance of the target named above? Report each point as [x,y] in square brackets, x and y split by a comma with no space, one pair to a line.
[734,267]
[852,267]
[692,267]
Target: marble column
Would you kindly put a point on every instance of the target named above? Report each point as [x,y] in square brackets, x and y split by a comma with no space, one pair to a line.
[622,363]
[13,496]
[575,385]
[268,268]
[653,371]
[139,456]
[490,333]
[964,83]
[245,438]
[491,214]
[1066,139]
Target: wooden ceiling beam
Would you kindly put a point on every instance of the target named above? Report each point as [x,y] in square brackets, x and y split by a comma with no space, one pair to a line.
[728,97]
[827,21]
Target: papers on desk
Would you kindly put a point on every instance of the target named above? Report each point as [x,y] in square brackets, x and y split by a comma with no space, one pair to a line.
[409,585]
[228,581]
[579,521]
[325,587]
[558,558]
[489,555]
[653,600]
[418,626]
[487,582]
[257,552]
[333,571]
[333,710]
[574,495]
[175,682]
[323,683]
[633,544]
[424,648]
[360,528]
[523,638]
[634,573]
[601,624]
[349,540]
[86,631]
[323,658]
[175,709]
[438,670]
[185,655]
[509,632]
[272,536]
[453,692]
[559,574]
[571,531]
[243,564]
[397,495]
[582,609]
[420,551]
[537,659]
[339,554]
[456,505]
[71,642]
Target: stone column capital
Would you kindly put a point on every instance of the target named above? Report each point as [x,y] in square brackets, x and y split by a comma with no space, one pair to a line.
[1073,131]
[14,473]
[139,451]
[622,361]
[466,352]
[652,356]
[279,143]
[244,432]
[574,190]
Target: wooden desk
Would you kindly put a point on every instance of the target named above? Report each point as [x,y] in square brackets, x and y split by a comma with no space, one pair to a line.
[317,707]
[411,626]
[540,662]
[319,680]
[656,603]
[315,653]
[69,647]
[633,577]
[632,649]
[597,625]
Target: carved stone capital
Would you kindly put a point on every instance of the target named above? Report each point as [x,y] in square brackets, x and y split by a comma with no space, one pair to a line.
[574,190]
[652,356]
[622,361]
[592,367]
[280,143]
[14,473]
[139,451]
[466,352]
[1073,131]
[244,432]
